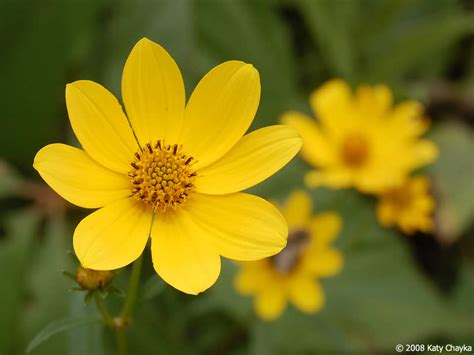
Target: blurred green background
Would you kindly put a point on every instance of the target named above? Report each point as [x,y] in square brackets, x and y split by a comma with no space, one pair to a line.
[393,289]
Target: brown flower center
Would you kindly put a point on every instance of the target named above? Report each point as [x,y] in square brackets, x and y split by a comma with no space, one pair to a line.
[162,176]
[287,259]
[355,150]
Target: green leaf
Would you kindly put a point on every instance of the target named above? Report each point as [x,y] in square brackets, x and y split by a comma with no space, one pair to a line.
[453,175]
[331,24]
[15,250]
[10,180]
[57,327]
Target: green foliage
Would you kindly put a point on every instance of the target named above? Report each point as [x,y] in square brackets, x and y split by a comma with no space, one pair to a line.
[57,327]
[381,298]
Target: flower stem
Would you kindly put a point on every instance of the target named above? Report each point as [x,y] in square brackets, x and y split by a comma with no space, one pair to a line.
[103,311]
[132,290]
[121,341]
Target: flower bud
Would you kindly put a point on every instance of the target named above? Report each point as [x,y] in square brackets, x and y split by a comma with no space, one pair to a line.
[91,280]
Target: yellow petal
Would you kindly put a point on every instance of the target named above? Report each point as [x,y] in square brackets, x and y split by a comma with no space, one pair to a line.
[113,236]
[335,178]
[100,125]
[79,179]
[254,158]
[325,227]
[374,101]
[333,105]
[220,111]
[306,294]
[424,152]
[241,226]
[317,149]
[153,93]
[182,254]
[326,262]
[298,209]
[270,303]
[251,277]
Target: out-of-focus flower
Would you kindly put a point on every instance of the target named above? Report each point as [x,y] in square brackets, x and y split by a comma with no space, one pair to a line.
[170,170]
[292,275]
[361,140]
[410,206]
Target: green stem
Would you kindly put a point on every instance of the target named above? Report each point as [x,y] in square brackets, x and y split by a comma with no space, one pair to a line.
[103,311]
[121,341]
[132,290]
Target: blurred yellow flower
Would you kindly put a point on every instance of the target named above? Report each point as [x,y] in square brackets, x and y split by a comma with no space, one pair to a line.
[360,140]
[410,207]
[170,170]
[292,275]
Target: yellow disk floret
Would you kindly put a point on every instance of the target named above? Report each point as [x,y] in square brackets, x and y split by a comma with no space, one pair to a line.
[162,176]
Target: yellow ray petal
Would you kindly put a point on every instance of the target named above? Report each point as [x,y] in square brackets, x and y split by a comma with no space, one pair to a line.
[100,125]
[113,236]
[326,262]
[335,178]
[241,226]
[270,303]
[153,93]
[325,227]
[306,294]
[374,101]
[251,277]
[333,105]
[317,150]
[220,111]
[78,178]
[298,209]
[424,152]
[182,254]
[254,158]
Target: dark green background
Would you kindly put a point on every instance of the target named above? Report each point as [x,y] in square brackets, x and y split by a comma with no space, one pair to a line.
[393,289]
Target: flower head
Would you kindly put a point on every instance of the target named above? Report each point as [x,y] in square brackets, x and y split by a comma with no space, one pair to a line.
[170,170]
[292,275]
[360,140]
[410,206]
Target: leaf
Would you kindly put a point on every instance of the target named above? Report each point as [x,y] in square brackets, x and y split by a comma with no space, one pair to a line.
[15,249]
[453,175]
[46,285]
[10,180]
[331,24]
[57,327]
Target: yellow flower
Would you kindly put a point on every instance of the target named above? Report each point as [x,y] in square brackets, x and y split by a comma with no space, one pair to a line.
[291,275]
[410,207]
[361,140]
[169,170]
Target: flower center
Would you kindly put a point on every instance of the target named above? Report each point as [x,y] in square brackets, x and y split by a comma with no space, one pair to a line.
[162,176]
[286,260]
[355,150]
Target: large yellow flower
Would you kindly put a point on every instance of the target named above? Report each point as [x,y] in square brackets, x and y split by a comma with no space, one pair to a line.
[361,140]
[410,206]
[170,170]
[292,275]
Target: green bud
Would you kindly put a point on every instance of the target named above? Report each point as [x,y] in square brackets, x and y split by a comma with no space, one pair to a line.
[91,280]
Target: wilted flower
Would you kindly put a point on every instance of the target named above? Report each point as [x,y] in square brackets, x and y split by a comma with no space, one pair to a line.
[292,275]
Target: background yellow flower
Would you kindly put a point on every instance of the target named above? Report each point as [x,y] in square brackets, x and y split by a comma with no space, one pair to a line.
[361,140]
[410,207]
[292,275]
